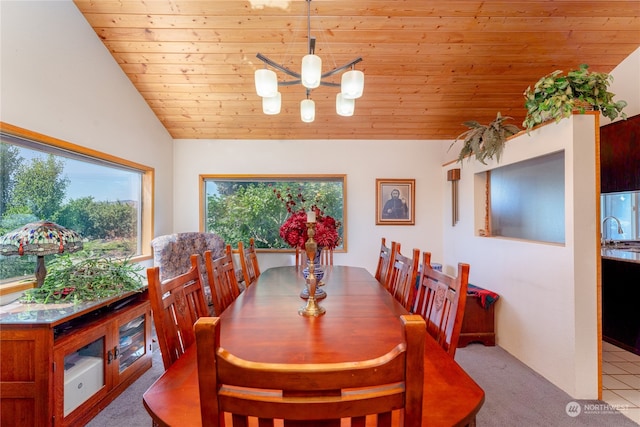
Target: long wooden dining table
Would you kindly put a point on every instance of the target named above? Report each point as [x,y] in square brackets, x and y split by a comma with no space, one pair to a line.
[362,321]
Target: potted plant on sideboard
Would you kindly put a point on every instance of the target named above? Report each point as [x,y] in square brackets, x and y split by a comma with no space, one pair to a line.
[85,279]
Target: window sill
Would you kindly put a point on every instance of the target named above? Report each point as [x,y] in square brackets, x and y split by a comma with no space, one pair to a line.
[14,287]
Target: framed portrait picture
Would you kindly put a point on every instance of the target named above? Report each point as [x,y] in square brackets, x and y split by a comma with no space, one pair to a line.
[395,201]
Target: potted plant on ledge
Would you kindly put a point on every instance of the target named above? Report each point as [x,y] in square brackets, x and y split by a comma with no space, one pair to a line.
[485,141]
[556,96]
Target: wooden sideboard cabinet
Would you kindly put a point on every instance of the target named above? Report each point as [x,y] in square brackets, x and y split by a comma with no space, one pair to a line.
[478,323]
[61,364]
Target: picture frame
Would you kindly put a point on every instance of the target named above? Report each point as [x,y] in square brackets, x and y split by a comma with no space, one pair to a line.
[395,201]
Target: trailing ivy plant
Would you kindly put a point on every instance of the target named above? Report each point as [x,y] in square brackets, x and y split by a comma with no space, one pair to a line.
[485,141]
[556,96]
[85,279]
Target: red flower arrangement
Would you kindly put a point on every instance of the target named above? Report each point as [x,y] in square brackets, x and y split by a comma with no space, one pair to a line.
[294,230]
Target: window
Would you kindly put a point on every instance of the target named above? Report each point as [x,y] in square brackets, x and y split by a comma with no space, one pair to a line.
[105,199]
[623,207]
[238,208]
[527,199]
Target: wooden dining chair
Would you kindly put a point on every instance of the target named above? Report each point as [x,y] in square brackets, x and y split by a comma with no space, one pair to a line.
[402,278]
[234,391]
[222,279]
[384,262]
[326,257]
[249,262]
[441,300]
[176,304]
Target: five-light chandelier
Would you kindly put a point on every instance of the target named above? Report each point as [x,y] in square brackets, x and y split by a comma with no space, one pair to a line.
[310,76]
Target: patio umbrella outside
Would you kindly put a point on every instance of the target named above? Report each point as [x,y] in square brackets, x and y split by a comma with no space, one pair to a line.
[40,238]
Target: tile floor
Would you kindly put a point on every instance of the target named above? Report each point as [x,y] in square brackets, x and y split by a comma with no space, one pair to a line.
[621,380]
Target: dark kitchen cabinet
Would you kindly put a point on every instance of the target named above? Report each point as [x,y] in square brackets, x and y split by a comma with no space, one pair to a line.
[620,297]
[620,156]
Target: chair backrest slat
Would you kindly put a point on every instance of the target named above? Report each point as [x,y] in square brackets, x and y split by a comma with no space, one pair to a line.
[249,261]
[222,279]
[326,257]
[301,393]
[441,300]
[385,259]
[176,304]
[402,278]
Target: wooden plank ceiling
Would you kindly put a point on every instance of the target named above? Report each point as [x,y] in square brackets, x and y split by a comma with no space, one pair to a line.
[429,65]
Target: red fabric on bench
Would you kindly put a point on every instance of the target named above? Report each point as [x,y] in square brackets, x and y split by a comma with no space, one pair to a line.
[487,297]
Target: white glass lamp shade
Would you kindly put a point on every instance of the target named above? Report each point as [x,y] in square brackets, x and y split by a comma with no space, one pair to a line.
[266,82]
[344,106]
[307,110]
[271,105]
[352,84]
[311,71]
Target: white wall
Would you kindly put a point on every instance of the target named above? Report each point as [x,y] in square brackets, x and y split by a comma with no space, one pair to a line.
[58,79]
[547,312]
[537,314]
[626,85]
[361,161]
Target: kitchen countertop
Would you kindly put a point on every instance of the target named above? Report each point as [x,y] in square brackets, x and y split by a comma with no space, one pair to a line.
[621,254]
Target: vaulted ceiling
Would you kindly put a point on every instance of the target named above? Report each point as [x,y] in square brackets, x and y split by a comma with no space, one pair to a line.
[429,65]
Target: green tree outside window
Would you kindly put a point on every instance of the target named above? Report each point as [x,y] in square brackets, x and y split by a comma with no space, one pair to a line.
[238,209]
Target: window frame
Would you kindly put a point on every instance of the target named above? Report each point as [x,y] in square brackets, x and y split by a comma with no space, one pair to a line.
[147,187]
[607,209]
[483,209]
[203,178]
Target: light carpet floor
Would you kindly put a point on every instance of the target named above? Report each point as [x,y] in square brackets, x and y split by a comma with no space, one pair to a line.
[515,396]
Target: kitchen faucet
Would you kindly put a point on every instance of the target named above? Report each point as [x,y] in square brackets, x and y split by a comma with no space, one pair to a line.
[620,231]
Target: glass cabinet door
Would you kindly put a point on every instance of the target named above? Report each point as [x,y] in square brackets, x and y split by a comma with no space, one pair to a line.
[131,342]
[84,374]
[93,356]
